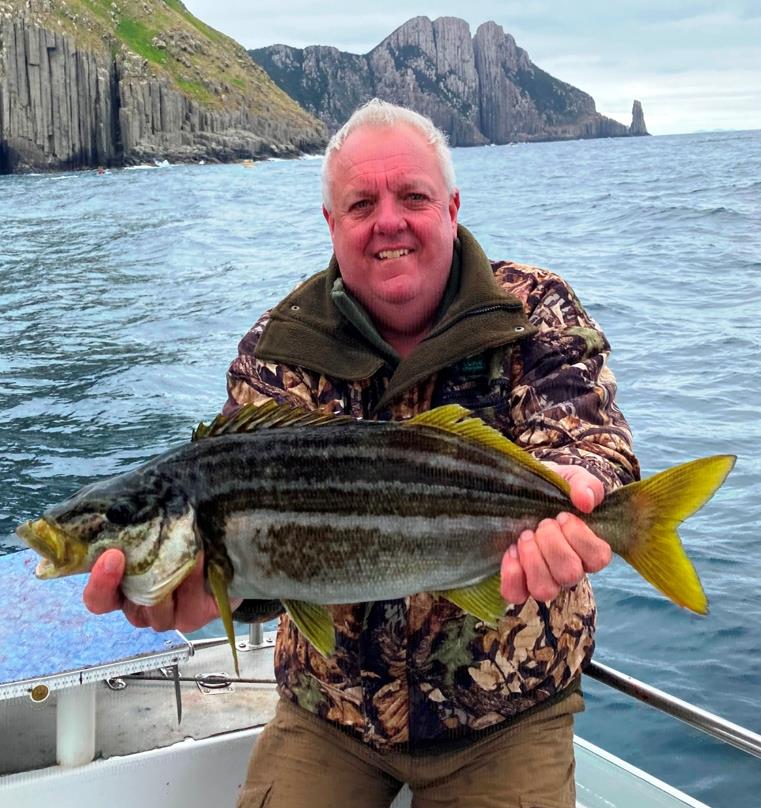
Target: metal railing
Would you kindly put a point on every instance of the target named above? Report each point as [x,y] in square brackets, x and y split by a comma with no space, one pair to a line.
[706,722]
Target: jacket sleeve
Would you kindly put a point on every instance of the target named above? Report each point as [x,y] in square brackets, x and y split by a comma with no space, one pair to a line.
[563,405]
[253,381]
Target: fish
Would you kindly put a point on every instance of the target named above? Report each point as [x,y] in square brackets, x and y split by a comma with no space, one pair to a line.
[312,510]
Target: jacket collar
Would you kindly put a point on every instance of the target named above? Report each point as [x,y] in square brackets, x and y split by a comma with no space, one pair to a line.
[308,330]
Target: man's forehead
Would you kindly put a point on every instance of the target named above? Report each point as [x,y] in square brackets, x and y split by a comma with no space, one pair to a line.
[394,152]
[393,173]
[382,147]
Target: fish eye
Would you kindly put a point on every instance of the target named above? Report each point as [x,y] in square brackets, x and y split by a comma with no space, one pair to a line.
[120,513]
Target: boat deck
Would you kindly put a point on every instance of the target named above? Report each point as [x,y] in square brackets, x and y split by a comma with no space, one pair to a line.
[142,754]
[142,715]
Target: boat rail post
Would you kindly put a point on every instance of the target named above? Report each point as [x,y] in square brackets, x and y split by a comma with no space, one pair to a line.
[75,725]
[255,640]
[255,634]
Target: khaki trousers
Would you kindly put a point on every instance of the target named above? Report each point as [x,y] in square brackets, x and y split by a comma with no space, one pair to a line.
[301,761]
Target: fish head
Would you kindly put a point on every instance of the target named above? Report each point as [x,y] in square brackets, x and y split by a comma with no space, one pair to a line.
[137,513]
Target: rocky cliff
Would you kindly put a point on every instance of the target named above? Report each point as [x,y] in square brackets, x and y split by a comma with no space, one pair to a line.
[95,82]
[479,89]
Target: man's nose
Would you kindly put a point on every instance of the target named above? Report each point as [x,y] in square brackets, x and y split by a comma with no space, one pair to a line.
[389,216]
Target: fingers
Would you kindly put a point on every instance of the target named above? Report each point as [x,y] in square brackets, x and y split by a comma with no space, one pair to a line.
[594,552]
[525,570]
[539,580]
[548,561]
[562,566]
[101,593]
[513,586]
[555,556]
[194,606]
[160,617]
[188,608]
[587,491]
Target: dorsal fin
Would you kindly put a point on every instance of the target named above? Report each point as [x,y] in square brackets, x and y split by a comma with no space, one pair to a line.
[251,417]
[457,420]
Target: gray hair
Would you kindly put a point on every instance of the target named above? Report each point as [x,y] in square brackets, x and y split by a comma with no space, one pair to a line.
[379,113]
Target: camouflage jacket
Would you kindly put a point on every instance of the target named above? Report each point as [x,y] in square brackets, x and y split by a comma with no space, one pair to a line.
[525,356]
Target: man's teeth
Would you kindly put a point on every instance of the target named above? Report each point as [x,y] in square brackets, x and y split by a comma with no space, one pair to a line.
[384,254]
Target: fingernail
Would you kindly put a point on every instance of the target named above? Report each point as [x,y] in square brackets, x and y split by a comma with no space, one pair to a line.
[525,536]
[513,551]
[112,564]
[591,495]
[563,517]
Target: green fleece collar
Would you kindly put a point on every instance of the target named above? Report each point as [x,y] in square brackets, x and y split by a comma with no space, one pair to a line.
[308,329]
[356,314]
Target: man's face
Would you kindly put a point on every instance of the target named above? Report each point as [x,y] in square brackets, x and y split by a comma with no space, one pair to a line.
[393,224]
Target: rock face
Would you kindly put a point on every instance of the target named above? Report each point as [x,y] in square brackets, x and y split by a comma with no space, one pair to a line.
[481,89]
[69,104]
[431,68]
[638,120]
[324,78]
[56,103]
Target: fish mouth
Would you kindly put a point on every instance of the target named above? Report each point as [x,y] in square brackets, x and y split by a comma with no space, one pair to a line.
[62,554]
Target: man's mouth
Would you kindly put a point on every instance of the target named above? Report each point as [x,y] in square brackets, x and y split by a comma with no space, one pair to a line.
[386,255]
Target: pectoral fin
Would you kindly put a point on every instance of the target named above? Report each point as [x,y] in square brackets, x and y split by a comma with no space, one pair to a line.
[315,623]
[218,584]
[483,600]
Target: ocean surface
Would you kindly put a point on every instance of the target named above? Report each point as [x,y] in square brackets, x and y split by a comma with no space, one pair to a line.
[123,297]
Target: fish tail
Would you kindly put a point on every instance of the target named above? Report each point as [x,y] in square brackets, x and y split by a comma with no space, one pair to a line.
[650,512]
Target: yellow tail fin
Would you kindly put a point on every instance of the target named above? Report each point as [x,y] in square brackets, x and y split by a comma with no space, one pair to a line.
[653,509]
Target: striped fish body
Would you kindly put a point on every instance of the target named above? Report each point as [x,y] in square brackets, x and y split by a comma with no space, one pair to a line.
[358,511]
[312,510]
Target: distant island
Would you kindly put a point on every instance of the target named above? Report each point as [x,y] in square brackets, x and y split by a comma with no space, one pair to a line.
[479,89]
[119,82]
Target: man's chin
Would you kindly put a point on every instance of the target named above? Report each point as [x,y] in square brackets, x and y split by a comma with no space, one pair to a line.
[398,299]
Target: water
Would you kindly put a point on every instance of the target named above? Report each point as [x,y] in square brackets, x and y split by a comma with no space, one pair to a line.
[122,298]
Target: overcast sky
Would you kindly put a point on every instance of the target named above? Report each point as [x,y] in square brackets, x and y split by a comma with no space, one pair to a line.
[694,64]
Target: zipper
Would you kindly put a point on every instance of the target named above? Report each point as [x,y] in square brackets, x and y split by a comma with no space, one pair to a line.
[474,313]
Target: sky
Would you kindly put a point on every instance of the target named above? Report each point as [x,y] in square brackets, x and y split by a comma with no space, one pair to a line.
[694,64]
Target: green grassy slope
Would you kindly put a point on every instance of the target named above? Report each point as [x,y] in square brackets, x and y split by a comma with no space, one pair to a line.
[203,63]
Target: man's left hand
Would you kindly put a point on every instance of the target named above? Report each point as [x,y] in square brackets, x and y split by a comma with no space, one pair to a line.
[560,551]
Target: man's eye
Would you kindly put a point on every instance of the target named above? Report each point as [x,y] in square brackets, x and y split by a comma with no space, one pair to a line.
[360,204]
[416,197]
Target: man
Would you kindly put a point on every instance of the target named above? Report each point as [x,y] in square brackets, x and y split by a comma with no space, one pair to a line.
[409,315]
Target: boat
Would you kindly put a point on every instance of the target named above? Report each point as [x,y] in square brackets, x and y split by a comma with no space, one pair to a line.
[94,712]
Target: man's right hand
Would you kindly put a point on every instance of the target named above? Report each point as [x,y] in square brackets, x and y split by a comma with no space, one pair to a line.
[187,608]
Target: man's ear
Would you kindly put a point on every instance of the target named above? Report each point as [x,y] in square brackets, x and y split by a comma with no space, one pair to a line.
[330,220]
[454,207]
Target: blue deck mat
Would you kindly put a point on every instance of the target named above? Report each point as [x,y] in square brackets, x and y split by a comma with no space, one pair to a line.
[45,629]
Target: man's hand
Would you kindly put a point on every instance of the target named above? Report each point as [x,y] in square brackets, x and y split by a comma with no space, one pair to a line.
[560,551]
[188,608]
